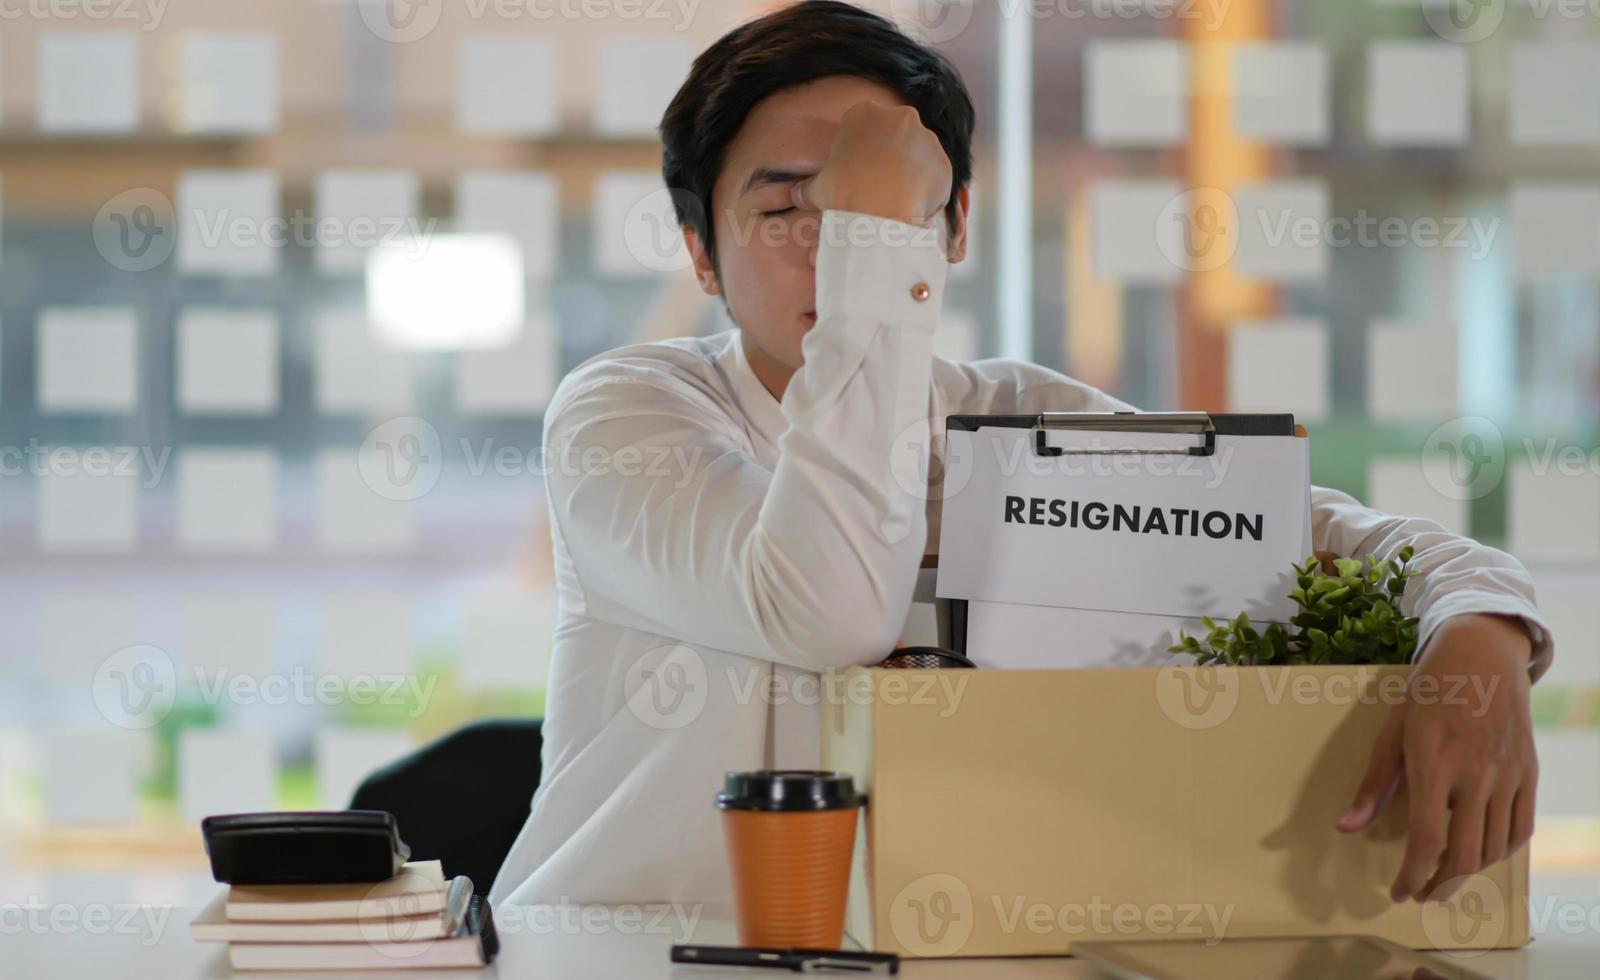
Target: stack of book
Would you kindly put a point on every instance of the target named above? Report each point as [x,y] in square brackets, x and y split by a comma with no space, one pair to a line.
[415,919]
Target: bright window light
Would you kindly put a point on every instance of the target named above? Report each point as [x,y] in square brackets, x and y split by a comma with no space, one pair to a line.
[446,292]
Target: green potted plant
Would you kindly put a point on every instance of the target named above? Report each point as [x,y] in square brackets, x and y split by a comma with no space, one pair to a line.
[1347,615]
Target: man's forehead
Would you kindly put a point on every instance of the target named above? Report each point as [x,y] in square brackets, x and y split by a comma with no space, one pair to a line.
[795,128]
[795,141]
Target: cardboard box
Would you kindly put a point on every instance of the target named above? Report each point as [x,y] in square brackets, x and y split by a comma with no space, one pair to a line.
[1012,812]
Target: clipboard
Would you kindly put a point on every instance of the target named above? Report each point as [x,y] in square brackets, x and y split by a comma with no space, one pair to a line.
[1247,517]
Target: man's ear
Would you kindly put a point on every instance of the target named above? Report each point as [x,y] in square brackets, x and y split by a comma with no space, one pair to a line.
[705,271]
[958,233]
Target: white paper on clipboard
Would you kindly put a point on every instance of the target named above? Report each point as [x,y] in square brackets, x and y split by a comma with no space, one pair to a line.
[1052,594]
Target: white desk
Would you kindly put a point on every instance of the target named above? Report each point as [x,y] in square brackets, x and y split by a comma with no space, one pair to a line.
[593,942]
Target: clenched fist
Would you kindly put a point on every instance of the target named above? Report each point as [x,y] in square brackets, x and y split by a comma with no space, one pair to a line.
[883,162]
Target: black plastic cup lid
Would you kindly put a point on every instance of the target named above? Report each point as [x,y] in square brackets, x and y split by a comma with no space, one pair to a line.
[788,791]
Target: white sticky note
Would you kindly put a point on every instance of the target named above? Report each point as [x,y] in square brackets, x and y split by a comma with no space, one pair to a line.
[505,638]
[225,771]
[635,230]
[357,209]
[1554,510]
[1413,371]
[637,76]
[229,223]
[89,500]
[1136,93]
[88,82]
[90,776]
[78,631]
[507,86]
[1574,619]
[353,516]
[1281,230]
[1400,485]
[227,499]
[514,381]
[1569,771]
[956,337]
[1136,232]
[227,362]
[223,635]
[1555,93]
[1279,366]
[1280,92]
[88,360]
[354,374]
[525,204]
[1555,228]
[1418,93]
[228,83]
[367,634]
[346,756]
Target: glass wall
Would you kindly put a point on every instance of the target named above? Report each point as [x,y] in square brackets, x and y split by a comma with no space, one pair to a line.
[268,519]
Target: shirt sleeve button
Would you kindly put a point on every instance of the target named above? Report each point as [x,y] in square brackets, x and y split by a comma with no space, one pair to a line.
[920,292]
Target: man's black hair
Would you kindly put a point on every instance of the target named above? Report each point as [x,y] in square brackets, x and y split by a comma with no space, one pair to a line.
[797,44]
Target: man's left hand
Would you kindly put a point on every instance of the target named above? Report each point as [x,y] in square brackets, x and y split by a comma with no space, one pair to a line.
[1463,742]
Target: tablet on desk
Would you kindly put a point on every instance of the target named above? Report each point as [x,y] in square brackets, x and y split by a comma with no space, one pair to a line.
[1326,958]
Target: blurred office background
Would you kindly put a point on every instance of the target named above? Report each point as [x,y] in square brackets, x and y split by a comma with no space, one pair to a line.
[267,520]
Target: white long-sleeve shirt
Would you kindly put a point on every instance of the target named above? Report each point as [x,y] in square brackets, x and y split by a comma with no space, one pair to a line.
[715,548]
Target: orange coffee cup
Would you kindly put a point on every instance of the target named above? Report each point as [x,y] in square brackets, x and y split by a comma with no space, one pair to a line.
[790,835]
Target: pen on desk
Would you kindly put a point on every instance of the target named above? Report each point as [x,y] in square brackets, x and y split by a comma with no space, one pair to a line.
[797,960]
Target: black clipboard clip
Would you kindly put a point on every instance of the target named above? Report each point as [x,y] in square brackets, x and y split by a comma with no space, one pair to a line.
[1195,423]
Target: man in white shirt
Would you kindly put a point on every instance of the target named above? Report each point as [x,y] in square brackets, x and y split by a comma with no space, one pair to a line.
[733,514]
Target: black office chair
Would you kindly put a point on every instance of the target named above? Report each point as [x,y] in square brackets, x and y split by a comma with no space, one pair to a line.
[463,798]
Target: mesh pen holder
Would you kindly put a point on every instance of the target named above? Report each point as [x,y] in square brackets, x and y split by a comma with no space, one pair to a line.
[925,658]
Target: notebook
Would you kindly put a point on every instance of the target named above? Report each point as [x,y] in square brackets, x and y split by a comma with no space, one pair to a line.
[417,889]
[213,924]
[471,943]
